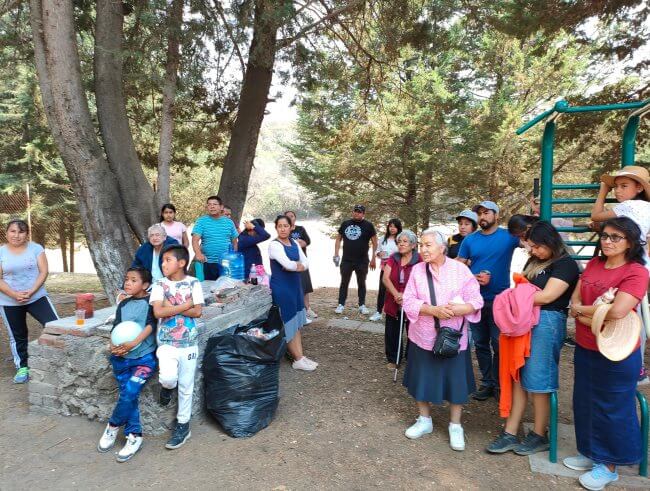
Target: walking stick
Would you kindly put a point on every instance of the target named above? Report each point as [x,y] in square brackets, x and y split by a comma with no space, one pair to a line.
[399,343]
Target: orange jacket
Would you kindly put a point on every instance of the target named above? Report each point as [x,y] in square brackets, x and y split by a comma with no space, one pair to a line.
[512,353]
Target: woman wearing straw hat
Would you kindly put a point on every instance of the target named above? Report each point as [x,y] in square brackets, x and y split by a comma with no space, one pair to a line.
[606,425]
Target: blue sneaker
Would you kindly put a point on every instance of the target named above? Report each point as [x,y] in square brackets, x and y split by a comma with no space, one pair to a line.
[22,375]
[598,477]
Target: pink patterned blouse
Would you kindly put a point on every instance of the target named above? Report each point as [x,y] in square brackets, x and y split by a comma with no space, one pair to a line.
[453,283]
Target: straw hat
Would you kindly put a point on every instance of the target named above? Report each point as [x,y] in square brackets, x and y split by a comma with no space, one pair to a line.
[619,337]
[635,172]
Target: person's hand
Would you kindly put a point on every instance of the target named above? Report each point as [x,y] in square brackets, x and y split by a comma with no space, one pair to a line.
[595,226]
[248,225]
[128,346]
[22,296]
[300,267]
[200,257]
[483,279]
[399,298]
[336,260]
[443,312]
[574,310]
[457,309]
[373,264]
[118,350]
[605,187]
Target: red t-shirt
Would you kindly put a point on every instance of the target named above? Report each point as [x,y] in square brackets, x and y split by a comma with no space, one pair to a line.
[630,278]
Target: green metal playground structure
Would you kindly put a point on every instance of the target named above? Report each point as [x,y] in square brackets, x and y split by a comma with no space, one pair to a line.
[547,200]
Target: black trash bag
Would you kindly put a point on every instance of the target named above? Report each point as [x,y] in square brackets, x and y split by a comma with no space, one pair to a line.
[242,376]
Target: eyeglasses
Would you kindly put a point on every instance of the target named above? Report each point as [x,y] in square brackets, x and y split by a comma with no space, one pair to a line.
[614,238]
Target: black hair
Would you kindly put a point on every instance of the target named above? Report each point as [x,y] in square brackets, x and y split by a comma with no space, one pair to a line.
[22,225]
[281,217]
[166,206]
[216,198]
[632,232]
[398,225]
[145,274]
[545,234]
[518,224]
[259,222]
[291,211]
[227,206]
[180,252]
[474,224]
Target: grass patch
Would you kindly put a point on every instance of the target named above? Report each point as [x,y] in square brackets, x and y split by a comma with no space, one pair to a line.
[73,283]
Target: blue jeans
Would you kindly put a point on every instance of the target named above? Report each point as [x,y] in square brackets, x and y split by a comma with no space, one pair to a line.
[131,375]
[540,373]
[486,333]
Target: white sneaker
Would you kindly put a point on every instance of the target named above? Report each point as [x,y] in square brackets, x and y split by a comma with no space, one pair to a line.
[363,310]
[310,361]
[375,317]
[130,448]
[107,440]
[339,309]
[456,437]
[578,463]
[421,427]
[308,321]
[312,314]
[303,364]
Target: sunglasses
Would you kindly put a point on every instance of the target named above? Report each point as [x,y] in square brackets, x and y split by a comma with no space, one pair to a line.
[614,238]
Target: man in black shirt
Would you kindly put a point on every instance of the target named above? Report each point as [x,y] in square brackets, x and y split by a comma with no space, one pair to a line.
[355,233]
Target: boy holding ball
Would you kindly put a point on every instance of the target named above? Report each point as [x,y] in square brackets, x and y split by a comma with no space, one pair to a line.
[177,301]
[133,364]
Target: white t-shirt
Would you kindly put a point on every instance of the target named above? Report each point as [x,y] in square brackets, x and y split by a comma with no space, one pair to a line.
[179,331]
[639,211]
[20,271]
[389,248]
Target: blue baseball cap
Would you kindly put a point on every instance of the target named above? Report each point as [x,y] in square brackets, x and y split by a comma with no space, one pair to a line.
[469,214]
[488,205]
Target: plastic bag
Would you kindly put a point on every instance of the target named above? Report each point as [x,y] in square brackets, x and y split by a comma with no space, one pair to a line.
[223,283]
[241,375]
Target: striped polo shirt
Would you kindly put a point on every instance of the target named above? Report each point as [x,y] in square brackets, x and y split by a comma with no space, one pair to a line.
[216,235]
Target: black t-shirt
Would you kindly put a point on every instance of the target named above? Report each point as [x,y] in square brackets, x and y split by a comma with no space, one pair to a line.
[299,232]
[565,269]
[453,245]
[356,236]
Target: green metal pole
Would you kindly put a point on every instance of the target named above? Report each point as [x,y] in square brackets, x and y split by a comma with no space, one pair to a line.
[552,431]
[628,144]
[546,182]
[643,404]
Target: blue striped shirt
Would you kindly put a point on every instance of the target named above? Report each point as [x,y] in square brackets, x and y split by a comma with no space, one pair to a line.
[216,235]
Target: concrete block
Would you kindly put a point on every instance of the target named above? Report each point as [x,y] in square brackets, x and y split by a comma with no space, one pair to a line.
[42,389]
[82,331]
[52,340]
[35,399]
[51,402]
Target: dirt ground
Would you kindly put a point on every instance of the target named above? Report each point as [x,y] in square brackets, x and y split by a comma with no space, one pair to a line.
[340,427]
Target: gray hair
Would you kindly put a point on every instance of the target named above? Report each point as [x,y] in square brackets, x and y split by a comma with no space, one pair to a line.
[156,227]
[439,237]
[412,238]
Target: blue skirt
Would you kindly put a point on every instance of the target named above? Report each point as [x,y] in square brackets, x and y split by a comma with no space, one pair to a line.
[430,378]
[604,407]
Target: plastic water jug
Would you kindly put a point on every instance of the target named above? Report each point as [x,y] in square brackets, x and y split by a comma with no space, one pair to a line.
[232,265]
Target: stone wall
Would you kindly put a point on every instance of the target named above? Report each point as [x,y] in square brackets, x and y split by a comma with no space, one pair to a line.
[71,374]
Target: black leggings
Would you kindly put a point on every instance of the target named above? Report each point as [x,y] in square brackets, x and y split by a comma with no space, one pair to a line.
[15,319]
[381,294]
[391,338]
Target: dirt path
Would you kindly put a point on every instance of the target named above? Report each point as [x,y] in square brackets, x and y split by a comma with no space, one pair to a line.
[341,427]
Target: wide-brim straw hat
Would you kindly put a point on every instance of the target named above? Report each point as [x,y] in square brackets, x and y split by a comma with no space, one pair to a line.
[635,172]
[616,338]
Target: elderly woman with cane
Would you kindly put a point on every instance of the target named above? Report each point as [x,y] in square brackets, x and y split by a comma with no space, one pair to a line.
[397,272]
[441,297]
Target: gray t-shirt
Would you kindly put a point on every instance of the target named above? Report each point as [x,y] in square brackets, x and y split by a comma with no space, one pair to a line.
[20,271]
[138,310]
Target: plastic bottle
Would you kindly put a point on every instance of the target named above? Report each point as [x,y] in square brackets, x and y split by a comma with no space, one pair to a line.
[252,277]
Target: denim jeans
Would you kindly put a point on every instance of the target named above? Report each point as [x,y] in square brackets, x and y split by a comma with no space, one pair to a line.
[485,335]
[131,375]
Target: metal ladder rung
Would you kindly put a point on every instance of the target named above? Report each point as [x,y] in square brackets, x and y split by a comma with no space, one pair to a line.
[572,215]
[576,186]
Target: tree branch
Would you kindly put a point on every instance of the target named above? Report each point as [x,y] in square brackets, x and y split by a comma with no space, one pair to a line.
[7,5]
[332,14]
[222,15]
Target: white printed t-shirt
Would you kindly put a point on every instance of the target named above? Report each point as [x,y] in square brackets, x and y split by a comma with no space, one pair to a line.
[639,211]
[178,331]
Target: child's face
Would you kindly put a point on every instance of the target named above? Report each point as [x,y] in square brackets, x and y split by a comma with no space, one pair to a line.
[626,188]
[171,265]
[169,215]
[133,284]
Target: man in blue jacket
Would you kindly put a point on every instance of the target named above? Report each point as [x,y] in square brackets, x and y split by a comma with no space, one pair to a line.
[148,255]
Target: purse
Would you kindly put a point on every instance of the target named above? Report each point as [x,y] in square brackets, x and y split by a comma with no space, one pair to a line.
[447,343]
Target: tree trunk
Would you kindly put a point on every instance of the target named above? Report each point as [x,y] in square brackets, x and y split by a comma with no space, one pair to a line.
[135,191]
[95,187]
[174,23]
[63,242]
[427,195]
[238,164]
[71,241]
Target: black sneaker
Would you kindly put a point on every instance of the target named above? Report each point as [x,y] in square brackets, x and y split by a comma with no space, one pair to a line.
[179,436]
[569,342]
[503,443]
[533,443]
[165,396]
[483,393]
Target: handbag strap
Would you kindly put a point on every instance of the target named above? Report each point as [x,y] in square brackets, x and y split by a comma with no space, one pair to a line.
[432,293]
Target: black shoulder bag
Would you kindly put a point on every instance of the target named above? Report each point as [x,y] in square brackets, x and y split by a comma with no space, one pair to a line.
[447,343]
